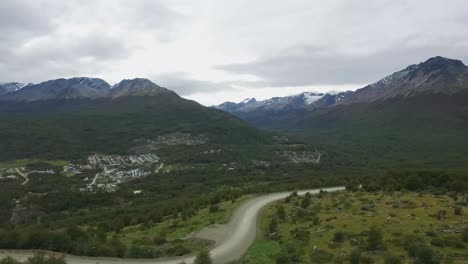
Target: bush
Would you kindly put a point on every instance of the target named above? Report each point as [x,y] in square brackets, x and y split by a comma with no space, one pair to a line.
[159,240]
[321,256]
[458,211]
[374,239]
[355,257]
[438,242]
[425,255]
[203,258]
[465,236]
[392,259]
[339,236]
[214,208]
[273,226]
[365,259]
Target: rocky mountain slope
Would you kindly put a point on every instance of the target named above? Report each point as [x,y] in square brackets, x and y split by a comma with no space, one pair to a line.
[11,87]
[437,75]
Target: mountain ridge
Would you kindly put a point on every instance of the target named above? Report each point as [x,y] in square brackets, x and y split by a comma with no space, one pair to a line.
[437,75]
[81,88]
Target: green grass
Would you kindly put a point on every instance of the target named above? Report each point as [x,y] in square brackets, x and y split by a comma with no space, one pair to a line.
[412,216]
[178,228]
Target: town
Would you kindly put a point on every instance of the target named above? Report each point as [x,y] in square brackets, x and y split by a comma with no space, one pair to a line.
[300,156]
[111,170]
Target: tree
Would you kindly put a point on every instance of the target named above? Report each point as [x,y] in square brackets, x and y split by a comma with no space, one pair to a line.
[280,212]
[375,239]
[305,202]
[203,257]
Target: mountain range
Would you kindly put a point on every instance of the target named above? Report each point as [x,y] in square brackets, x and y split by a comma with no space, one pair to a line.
[72,118]
[410,115]
[79,88]
[437,75]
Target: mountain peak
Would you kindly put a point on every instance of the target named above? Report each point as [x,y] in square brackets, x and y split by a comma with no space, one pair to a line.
[95,83]
[435,75]
[137,87]
[9,87]
[440,63]
[248,101]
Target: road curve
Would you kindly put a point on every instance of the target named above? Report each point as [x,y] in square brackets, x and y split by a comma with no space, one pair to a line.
[241,233]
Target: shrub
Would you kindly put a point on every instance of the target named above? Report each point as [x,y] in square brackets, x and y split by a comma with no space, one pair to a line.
[392,259]
[214,208]
[425,255]
[321,256]
[465,236]
[339,236]
[365,259]
[203,258]
[355,257]
[374,239]
[458,211]
[438,242]
[159,240]
[273,226]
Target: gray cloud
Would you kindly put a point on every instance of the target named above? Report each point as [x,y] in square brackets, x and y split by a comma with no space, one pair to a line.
[182,84]
[44,39]
[296,43]
[308,65]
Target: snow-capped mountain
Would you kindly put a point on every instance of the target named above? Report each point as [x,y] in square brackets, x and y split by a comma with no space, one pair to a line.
[11,87]
[74,88]
[273,104]
[436,75]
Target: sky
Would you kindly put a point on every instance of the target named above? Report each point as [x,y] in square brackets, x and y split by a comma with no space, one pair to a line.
[213,51]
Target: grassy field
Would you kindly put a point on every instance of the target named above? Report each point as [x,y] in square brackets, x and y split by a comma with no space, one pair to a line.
[179,231]
[335,227]
[24,162]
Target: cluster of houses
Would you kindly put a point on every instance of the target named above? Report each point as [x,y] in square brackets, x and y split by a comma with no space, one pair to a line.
[181,139]
[119,160]
[111,170]
[300,156]
[8,174]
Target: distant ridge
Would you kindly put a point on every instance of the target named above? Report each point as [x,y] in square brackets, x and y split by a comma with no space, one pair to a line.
[78,88]
[435,76]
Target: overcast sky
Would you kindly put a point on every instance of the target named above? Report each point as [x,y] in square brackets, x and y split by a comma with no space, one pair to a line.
[221,50]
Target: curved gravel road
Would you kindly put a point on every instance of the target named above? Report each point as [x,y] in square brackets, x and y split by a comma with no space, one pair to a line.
[240,234]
